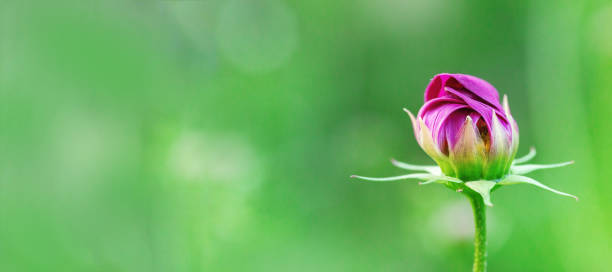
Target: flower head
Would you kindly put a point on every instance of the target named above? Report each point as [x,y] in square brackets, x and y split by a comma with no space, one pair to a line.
[471,136]
[463,127]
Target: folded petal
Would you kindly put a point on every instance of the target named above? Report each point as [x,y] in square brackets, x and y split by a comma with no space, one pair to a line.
[484,110]
[431,104]
[481,90]
[436,112]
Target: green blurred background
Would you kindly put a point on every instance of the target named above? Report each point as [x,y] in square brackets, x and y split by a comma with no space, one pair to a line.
[220,135]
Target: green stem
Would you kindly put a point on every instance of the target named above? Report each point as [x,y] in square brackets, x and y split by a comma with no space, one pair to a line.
[480,235]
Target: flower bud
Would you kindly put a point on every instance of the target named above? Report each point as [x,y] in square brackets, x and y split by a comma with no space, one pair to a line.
[463,127]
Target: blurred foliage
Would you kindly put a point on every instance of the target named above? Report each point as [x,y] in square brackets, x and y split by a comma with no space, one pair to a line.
[219,135]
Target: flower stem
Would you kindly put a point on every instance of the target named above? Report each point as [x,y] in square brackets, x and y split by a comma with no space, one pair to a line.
[480,235]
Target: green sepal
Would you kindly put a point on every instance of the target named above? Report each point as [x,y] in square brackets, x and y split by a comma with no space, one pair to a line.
[468,153]
[432,169]
[434,174]
[482,187]
[526,158]
[528,168]
[517,179]
[500,153]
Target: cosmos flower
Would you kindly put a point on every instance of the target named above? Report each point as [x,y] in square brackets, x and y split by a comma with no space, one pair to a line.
[464,129]
[471,136]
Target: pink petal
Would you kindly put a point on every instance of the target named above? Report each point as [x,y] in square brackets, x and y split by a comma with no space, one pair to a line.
[474,87]
[455,122]
[484,110]
[434,117]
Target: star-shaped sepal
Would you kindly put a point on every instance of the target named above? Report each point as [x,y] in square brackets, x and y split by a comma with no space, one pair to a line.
[433,174]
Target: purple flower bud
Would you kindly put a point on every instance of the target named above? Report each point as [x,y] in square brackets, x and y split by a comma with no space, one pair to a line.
[463,127]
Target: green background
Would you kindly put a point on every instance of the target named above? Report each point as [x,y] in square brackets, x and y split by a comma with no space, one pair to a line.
[220,135]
